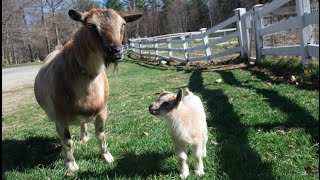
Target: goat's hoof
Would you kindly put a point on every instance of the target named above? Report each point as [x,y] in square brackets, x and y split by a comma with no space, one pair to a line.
[107,157]
[184,175]
[72,166]
[84,139]
[199,172]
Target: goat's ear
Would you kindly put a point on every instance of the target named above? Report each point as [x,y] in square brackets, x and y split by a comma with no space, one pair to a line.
[131,17]
[77,16]
[179,96]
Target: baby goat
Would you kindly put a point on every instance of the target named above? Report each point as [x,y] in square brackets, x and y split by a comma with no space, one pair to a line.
[187,124]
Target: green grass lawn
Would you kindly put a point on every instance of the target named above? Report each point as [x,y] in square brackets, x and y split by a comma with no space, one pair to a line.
[242,112]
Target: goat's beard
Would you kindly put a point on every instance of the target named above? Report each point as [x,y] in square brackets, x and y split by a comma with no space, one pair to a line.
[107,63]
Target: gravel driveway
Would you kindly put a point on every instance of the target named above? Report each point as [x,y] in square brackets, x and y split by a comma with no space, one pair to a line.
[17,87]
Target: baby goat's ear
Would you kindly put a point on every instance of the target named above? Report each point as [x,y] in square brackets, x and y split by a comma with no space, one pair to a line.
[179,96]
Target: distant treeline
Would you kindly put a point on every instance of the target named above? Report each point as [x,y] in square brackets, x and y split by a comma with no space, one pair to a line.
[32,28]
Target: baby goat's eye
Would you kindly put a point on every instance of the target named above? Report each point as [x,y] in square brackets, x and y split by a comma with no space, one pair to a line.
[165,104]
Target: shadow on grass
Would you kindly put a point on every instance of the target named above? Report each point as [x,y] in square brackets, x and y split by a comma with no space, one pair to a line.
[297,116]
[144,64]
[237,159]
[262,75]
[133,165]
[19,155]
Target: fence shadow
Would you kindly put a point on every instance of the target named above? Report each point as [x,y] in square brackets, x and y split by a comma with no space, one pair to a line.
[146,65]
[297,116]
[133,165]
[237,159]
[19,155]
[265,77]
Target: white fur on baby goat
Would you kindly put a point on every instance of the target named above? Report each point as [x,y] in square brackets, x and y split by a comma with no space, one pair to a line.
[187,126]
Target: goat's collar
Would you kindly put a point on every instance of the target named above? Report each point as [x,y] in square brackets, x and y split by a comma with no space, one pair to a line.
[85,72]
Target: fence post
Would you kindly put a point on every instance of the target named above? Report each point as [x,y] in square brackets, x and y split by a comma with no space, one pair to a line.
[205,42]
[169,47]
[243,33]
[149,46]
[130,44]
[185,47]
[156,48]
[303,7]
[257,26]
[140,51]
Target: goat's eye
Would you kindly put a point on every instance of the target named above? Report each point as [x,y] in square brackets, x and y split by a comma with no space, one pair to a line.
[89,25]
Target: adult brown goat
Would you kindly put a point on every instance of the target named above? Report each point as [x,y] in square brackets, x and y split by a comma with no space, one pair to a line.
[72,87]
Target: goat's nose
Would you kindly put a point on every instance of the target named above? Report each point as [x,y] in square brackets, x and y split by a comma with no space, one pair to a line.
[116,49]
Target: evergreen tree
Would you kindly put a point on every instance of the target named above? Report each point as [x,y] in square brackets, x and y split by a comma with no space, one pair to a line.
[113,4]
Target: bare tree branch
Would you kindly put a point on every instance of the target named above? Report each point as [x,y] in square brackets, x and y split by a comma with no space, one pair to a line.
[20,7]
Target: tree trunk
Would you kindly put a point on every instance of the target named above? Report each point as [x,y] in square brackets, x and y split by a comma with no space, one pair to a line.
[27,36]
[45,27]
[3,57]
[56,28]
[14,58]
[8,54]
[137,24]
[54,22]
[13,45]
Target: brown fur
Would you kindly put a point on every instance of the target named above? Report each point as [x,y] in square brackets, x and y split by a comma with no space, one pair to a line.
[72,86]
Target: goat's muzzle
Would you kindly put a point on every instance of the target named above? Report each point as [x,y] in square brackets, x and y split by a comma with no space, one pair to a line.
[153,110]
[115,53]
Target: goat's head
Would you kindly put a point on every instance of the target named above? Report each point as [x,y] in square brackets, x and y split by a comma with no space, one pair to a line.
[165,103]
[108,27]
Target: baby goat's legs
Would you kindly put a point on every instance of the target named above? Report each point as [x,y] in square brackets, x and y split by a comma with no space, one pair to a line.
[205,140]
[182,155]
[99,130]
[198,155]
[66,141]
[84,136]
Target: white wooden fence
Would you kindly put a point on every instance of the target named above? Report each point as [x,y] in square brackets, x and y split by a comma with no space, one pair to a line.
[247,23]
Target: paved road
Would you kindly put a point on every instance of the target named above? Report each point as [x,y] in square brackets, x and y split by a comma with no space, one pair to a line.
[17,87]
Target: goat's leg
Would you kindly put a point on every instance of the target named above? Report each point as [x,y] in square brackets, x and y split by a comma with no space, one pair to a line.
[99,130]
[181,152]
[198,153]
[205,140]
[66,141]
[84,135]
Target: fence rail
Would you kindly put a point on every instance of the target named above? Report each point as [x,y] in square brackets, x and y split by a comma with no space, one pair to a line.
[250,30]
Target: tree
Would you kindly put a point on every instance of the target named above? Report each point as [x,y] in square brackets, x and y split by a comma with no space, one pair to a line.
[54,4]
[27,32]
[113,4]
[31,28]
[42,7]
